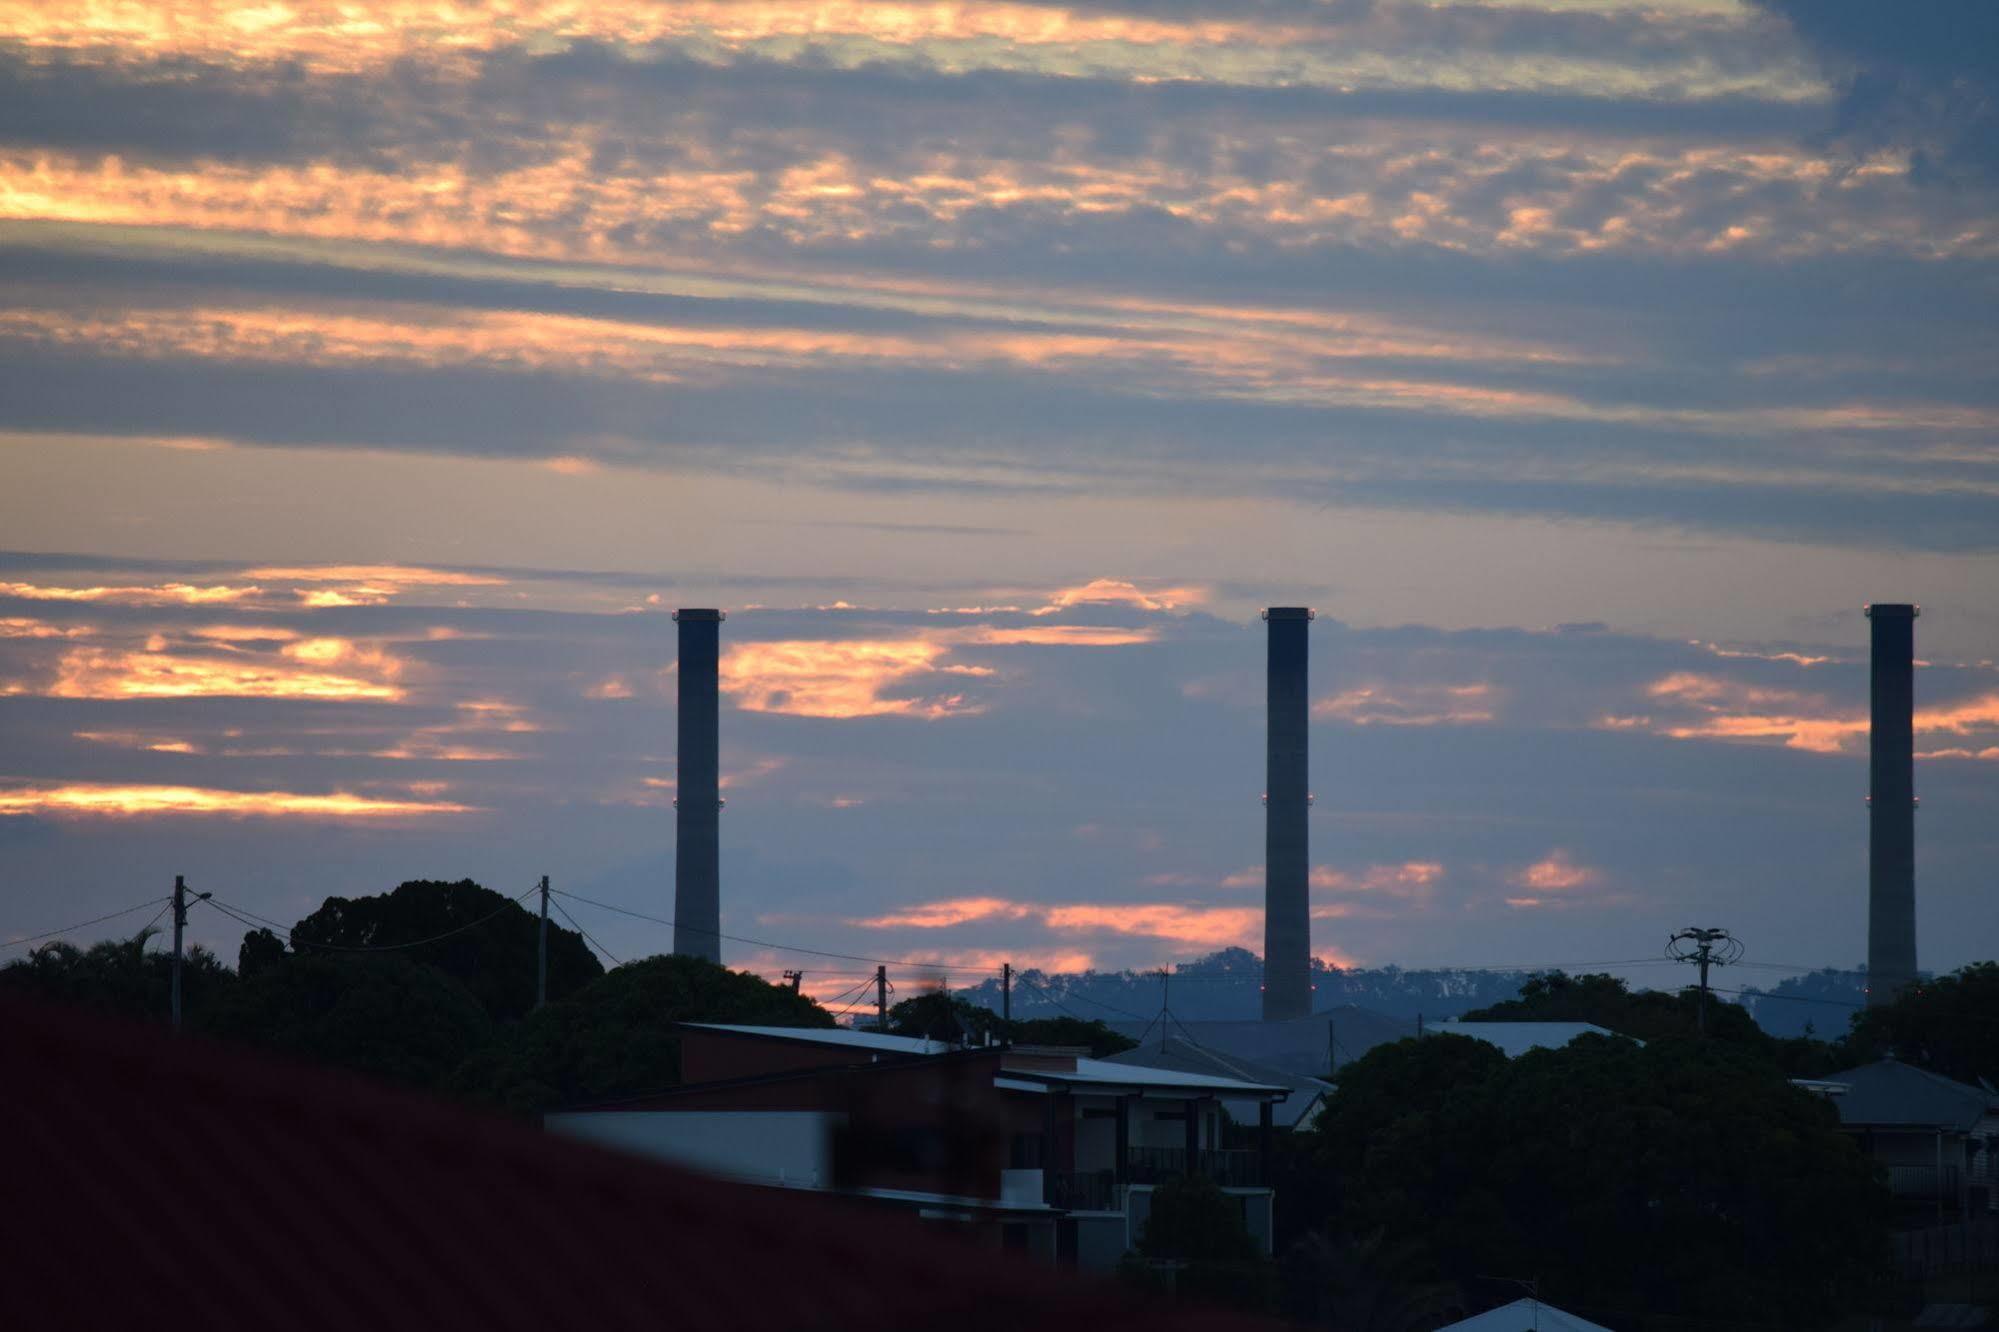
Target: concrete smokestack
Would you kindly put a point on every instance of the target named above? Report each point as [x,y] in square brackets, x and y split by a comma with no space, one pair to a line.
[1891,802]
[697,854]
[1287,864]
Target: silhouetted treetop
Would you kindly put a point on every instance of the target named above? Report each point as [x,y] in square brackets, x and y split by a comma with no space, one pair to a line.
[489,942]
[614,1036]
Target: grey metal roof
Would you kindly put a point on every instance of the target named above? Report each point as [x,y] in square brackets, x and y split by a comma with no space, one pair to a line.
[1301,1047]
[1517,1038]
[1186,1057]
[1889,1091]
[841,1036]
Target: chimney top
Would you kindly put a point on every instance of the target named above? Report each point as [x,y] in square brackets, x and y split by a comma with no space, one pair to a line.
[689,613]
[1288,613]
[1884,609]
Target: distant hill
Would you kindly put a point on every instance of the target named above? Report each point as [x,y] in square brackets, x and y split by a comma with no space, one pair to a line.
[1819,1003]
[1227,987]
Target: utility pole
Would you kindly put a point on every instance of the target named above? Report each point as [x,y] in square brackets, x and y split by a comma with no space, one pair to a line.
[180,923]
[180,926]
[881,999]
[541,966]
[794,979]
[1006,1003]
[1705,948]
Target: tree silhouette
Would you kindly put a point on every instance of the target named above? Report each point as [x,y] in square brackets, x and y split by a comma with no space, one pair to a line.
[1583,1165]
[495,958]
[121,976]
[614,1036]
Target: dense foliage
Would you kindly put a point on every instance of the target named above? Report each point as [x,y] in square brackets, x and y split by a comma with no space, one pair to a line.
[450,1015]
[614,1037]
[1947,1024]
[123,977]
[1196,1232]
[1584,1165]
[938,1016]
[486,941]
[383,1016]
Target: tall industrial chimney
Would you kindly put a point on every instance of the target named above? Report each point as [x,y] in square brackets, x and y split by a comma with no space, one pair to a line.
[697,855]
[1891,801]
[1287,923]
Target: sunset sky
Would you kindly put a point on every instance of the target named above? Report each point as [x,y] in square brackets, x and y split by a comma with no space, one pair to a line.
[377,376]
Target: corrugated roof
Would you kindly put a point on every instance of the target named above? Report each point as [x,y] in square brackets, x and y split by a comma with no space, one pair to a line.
[1517,1038]
[1186,1057]
[1524,1316]
[1301,1046]
[152,1178]
[1889,1091]
[1087,1071]
[843,1036]
[1101,1071]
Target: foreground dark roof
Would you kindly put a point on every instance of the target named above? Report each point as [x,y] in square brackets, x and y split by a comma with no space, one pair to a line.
[161,1182]
[1889,1091]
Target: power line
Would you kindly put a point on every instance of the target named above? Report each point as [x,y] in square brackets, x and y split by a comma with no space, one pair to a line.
[245,916]
[586,935]
[86,924]
[786,948]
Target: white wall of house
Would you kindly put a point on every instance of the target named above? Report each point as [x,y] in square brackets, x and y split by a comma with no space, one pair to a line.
[792,1147]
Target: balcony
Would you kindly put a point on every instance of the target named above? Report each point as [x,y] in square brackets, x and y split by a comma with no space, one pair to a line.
[1082,1190]
[1230,1169]
[1097,1190]
[1924,1181]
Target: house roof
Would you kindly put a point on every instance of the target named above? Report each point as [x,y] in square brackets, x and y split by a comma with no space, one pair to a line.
[1184,1056]
[324,1201]
[1307,1046]
[1889,1091]
[1524,1315]
[873,1042]
[1102,1075]
[1091,1073]
[1517,1038]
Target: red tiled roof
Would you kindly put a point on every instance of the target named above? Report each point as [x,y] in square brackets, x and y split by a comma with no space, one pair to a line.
[179,1183]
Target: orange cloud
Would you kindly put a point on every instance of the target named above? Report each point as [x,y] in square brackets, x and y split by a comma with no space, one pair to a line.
[185,594]
[1208,927]
[1410,879]
[87,800]
[1062,635]
[19,627]
[1410,705]
[943,915]
[138,740]
[243,633]
[399,575]
[841,678]
[103,673]
[1555,874]
[1119,592]
[1732,710]
[444,742]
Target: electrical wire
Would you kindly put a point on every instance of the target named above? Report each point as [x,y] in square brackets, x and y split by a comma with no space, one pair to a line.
[86,924]
[784,948]
[586,935]
[244,916]
[1058,1003]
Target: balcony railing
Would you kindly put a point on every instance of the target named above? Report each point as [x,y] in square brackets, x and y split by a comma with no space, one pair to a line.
[1097,1190]
[1923,1181]
[1230,1169]
[1082,1190]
